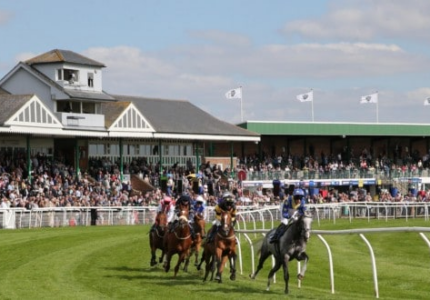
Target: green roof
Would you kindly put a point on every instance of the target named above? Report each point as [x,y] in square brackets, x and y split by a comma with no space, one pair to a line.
[330,129]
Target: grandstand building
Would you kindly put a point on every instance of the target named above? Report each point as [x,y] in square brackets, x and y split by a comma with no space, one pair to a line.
[55,105]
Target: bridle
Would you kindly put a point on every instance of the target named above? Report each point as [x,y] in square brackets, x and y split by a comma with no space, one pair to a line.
[304,231]
[226,227]
[183,221]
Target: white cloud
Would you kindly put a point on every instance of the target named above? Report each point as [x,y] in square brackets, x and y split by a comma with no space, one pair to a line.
[202,74]
[366,20]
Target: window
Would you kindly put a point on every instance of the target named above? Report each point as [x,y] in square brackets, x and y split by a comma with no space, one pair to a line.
[90,79]
[64,106]
[60,74]
[88,108]
[71,75]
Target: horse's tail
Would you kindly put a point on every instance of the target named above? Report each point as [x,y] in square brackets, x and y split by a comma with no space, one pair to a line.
[259,245]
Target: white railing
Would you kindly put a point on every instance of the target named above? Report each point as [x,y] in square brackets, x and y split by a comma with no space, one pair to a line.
[320,233]
[249,217]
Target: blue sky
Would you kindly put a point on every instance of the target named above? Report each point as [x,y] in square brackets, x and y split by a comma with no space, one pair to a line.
[198,50]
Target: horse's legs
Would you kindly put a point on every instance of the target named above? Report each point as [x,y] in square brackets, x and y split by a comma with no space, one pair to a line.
[208,258]
[232,259]
[153,258]
[305,257]
[202,259]
[181,258]
[263,257]
[286,273]
[220,267]
[196,253]
[218,263]
[187,262]
[167,261]
[272,272]
[162,256]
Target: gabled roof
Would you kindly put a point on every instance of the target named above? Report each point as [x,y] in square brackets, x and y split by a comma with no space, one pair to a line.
[63,56]
[124,119]
[27,114]
[112,111]
[182,118]
[10,104]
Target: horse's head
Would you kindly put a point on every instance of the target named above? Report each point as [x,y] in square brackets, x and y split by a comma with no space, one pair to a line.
[199,223]
[184,212]
[226,222]
[162,219]
[183,220]
[305,222]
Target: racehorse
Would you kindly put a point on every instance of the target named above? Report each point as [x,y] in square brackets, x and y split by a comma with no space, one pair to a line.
[157,235]
[215,254]
[292,245]
[199,225]
[177,241]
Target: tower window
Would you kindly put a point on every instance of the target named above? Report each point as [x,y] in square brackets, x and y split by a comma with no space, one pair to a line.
[90,79]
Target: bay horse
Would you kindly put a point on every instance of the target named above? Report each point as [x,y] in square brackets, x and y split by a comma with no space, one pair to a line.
[177,241]
[223,247]
[156,236]
[199,225]
[292,245]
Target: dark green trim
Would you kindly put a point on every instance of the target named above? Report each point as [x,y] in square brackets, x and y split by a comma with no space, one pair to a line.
[331,129]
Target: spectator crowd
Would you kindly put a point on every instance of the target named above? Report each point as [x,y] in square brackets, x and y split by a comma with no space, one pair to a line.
[53,183]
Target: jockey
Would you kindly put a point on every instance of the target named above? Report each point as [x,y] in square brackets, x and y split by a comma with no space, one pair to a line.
[291,209]
[166,205]
[170,184]
[184,201]
[226,203]
[199,206]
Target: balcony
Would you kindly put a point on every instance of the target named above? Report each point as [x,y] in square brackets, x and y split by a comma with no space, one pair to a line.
[81,120]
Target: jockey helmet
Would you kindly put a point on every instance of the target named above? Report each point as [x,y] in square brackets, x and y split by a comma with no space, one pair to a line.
[167,199]
[228,197]
[184,198]
[298,194]
[200,199]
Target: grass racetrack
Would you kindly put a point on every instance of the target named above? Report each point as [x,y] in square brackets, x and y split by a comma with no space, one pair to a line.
[113,263]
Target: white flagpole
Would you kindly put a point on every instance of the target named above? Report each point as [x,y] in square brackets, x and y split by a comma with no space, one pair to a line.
[241,108]
[312,105]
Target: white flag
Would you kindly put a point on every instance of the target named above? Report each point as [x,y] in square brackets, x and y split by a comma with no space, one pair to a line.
[372,98]
[427,101]
[306,97]
[234,94]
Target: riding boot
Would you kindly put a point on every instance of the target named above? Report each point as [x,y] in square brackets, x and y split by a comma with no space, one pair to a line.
[278,233]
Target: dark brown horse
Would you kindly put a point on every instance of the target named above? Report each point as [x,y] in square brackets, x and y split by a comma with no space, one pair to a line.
[156,236]
[199,225]
[223,247]
[177,241]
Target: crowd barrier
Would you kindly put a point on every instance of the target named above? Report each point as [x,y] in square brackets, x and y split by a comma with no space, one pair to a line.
[249,217]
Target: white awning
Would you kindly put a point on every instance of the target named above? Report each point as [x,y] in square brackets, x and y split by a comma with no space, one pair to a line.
[206,137]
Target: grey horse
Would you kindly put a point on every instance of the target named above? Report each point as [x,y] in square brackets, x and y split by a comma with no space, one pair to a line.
[292,245]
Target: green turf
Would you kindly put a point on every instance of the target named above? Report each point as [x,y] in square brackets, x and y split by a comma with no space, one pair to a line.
[113,263]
